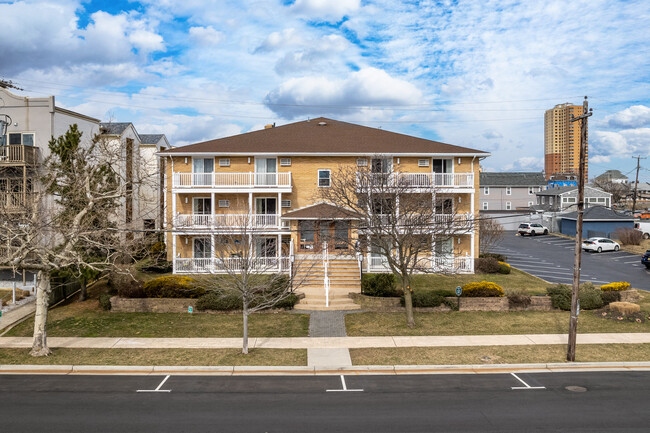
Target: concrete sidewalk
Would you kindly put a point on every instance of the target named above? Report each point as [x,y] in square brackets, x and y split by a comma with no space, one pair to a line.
[327,342]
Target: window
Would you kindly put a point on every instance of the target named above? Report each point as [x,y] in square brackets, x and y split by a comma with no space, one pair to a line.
[531,190]
[324,178]
[508,205]
[224,203]
[486,190]
[423,162]
[362,162]
[224,162]
[201,206]
[485,205]
[285,162]
[286,203]
[21,138]
[530,203]
[508,190]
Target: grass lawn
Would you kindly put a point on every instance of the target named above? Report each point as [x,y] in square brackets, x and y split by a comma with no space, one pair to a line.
[498,354]
[483,323]
[86,319]
[204,357]
[515,280]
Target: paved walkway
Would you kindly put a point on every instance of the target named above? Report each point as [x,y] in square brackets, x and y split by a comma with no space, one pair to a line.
[327,342]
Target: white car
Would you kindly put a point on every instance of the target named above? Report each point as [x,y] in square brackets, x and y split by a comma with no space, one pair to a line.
[532,229]
[600,244]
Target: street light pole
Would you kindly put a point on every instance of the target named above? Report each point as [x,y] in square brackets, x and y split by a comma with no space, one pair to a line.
[573,321]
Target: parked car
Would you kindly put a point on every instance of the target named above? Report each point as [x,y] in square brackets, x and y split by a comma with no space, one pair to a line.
[532,229]
[646,259]
[600,244]
[643,227]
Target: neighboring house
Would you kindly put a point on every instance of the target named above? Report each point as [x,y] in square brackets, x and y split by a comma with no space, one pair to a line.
[272,178]
[30,125]
[563,198]
[139,167]
[613,176]
[598,221]
[559,180]
[509,191]
[642,190]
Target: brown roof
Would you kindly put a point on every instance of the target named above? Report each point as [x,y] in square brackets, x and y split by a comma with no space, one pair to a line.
[322,135]
[322,211]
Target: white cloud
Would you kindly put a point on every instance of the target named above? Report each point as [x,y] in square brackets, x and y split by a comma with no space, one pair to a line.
[620,144]
[285,38]
[525,163]
[325,10]
[632,117]
[206,36]
[366,87]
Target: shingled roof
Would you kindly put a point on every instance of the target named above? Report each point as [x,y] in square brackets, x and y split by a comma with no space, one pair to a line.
[323,211]
[598,213]
[112,128]
[512,179]
[150,138]
[322,135]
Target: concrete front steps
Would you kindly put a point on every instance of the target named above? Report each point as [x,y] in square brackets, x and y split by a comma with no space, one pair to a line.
[344,279]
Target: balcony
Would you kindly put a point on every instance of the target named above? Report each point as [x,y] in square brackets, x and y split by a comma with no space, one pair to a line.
[438,221]
[227,221]
[226,265]
[16,201]
[417,181]
[435,264]
[232,181]
[18,154]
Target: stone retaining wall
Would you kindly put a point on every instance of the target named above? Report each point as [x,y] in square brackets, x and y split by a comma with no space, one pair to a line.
[151,305]
[630,296]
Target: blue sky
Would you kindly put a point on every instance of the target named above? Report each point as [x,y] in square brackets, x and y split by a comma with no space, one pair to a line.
[472,73]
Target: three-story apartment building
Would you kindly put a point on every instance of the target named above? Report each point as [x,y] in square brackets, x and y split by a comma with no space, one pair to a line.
[269,181]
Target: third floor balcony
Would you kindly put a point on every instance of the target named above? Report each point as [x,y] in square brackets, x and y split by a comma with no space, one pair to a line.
[280,182]
[417,181]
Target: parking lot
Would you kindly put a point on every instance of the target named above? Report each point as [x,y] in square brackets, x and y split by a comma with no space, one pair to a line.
[551,258]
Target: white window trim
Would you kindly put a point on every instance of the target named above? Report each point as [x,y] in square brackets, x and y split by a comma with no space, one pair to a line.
[224,162]
[285,162]
[485,205]
[508,190]
[283,202]
[362,162]
[424,163]
[531,190]
[508,205]
[224,203]
[329,178]
[486,190]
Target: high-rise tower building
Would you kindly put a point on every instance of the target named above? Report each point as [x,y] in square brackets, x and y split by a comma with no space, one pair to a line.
[562,141]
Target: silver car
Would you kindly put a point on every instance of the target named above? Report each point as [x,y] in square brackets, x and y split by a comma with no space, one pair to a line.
[600,244]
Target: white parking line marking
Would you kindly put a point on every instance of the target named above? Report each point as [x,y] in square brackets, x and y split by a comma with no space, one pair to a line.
[159,386]
[345,388]
[549,272]
[526,386]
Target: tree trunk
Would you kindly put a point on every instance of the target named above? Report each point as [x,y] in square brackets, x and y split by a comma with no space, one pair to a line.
[244,349]
[408,301]
[83,292]
[39,345]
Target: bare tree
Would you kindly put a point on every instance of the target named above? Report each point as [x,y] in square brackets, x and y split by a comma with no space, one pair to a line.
[245,264]
[619,191]
[491,234]
[69,219]
[404,219]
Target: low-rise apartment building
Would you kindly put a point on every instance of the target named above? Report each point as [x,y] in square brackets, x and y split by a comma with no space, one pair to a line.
[509,191]
[269,181]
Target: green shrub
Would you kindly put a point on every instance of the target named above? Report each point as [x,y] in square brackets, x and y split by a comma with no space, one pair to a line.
[610,296]
[518,298]
[499,257]
[487,265]
[219,301]
[129,288]
[105,301]
[173,286]
[482,289]
[287,303]
[381,285]
[615,287]
[426,299]
[504,268]
[590,297]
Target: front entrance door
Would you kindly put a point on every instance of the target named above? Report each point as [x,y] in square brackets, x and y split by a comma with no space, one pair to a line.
[442,169]
[313,234]
[265,211]
[266,171]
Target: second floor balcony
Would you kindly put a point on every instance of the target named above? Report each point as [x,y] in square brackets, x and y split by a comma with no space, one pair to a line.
[19,154]
[233,181]
[417,181]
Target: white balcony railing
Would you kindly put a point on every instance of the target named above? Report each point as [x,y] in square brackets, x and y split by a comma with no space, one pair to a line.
[227,221]
[416,180]
[441,264]
[234,264]
[231,180]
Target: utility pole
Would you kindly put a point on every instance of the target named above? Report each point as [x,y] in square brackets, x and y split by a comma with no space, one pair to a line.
[636,182]
[573,321]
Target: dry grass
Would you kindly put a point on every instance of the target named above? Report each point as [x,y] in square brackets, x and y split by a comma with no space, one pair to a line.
[87,319]
[515,280]
[483,323]
[498,354]
[204,357]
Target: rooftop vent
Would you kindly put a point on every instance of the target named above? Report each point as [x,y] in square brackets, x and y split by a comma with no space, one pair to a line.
[322,123]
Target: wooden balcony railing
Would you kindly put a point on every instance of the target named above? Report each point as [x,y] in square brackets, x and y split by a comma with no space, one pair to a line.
[17,154]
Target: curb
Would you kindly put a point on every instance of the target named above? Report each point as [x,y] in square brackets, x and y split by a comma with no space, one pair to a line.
[359,370]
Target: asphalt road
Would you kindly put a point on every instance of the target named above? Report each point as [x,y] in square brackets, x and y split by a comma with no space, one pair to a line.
[551,258]
[603,401]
